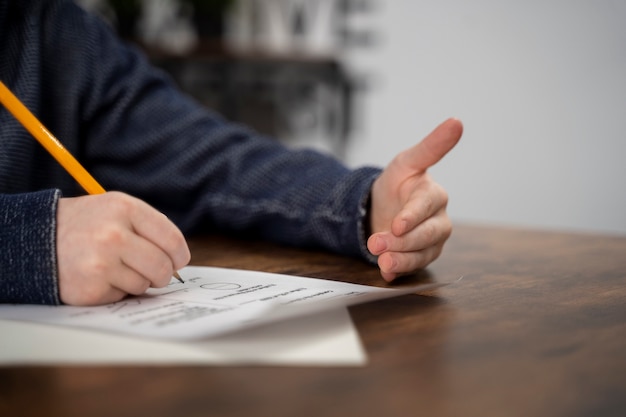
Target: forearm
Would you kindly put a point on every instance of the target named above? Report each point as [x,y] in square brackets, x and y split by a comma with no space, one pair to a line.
[150,140]
[136,133]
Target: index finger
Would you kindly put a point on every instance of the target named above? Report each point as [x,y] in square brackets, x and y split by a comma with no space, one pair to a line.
[158,229]
[434,146]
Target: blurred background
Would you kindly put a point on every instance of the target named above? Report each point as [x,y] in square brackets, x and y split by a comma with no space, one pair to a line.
[539,85]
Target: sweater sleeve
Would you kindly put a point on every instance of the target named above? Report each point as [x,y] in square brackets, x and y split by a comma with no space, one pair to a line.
[28,271]
[141,135]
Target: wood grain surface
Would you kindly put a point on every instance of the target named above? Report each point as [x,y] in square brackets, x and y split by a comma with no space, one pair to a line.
[536,327]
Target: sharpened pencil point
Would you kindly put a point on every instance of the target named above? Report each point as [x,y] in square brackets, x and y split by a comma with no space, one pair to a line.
[178,277]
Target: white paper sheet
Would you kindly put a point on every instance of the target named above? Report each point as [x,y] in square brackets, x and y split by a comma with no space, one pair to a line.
[212,301]
[325,339]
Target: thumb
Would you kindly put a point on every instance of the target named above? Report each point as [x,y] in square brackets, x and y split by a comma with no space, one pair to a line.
[433,147]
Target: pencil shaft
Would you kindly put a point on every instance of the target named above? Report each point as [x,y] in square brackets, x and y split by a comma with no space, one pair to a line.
[48,141]
[52,144]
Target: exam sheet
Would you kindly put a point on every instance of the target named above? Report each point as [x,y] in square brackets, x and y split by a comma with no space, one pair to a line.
[212,301]
[324,339]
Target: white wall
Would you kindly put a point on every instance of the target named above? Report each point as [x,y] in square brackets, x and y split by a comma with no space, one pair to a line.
[541,89]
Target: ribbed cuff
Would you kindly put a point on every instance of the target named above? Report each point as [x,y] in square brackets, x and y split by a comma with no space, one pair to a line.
[363,219]
[28,269]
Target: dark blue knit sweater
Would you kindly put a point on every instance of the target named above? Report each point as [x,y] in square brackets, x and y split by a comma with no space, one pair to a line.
[126,123]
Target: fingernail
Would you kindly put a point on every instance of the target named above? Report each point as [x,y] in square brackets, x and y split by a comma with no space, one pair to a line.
[380,244]
[403,226]
[389,264]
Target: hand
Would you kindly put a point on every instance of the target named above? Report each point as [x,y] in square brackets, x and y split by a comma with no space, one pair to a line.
[110,245]
[408,215]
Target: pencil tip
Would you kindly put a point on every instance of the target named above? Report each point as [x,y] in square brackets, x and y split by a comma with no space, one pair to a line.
[177,276]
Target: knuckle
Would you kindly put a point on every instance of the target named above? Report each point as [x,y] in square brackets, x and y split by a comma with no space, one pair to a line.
[110,235]
[447,230]
[420,261]
[163,273]
[177,246]
[120,203]
[428,204]
[444,197]
[438,252]
[175,240]
[431,256]
[139,286]
[438,197]
[96,268]
[429,234]
[434,254]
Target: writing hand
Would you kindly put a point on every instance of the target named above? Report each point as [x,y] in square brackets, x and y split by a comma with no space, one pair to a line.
[110,245]
[408,215]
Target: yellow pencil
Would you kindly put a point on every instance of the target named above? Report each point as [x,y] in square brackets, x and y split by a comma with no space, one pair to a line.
[52,144]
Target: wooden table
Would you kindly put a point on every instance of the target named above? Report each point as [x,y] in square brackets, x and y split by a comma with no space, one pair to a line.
[537,327]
